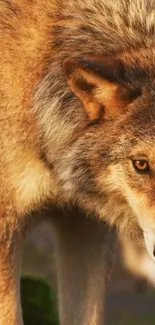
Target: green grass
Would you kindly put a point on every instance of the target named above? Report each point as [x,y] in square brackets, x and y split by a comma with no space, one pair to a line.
[38,302]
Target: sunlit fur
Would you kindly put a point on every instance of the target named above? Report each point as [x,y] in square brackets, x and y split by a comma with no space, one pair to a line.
[64,142]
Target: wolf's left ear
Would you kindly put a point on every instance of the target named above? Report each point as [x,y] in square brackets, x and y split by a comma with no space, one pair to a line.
[100,85]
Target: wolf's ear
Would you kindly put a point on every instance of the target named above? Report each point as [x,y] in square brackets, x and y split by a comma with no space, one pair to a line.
[100,85]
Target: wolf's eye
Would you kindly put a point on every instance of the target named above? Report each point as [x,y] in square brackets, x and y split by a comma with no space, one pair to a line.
[141,166]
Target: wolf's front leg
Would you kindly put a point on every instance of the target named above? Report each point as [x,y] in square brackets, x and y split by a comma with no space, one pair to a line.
[10,247]
[85,250]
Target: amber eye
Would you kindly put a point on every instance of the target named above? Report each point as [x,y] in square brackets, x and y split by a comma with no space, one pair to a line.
[141,166]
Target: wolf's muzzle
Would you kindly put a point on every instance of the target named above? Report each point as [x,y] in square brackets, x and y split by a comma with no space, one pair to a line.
[149,237]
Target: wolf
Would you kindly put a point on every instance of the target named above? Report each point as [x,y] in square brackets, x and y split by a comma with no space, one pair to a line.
[77,111]
[136,260]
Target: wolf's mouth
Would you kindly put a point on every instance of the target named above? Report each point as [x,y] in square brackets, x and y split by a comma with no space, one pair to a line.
[149,237]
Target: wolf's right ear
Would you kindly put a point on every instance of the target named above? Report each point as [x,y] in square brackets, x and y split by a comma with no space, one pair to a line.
[99,84]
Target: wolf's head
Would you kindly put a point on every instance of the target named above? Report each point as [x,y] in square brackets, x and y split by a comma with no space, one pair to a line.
[107,163]
[111,166]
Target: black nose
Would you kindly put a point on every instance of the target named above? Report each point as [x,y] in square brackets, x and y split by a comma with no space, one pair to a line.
[154,252]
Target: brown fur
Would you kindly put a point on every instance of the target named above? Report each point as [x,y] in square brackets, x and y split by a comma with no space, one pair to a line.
[77,106]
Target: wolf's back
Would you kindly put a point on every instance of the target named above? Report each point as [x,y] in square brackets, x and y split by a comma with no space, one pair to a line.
[114,25]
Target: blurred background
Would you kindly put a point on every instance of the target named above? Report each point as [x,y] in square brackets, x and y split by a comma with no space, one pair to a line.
[131,294]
